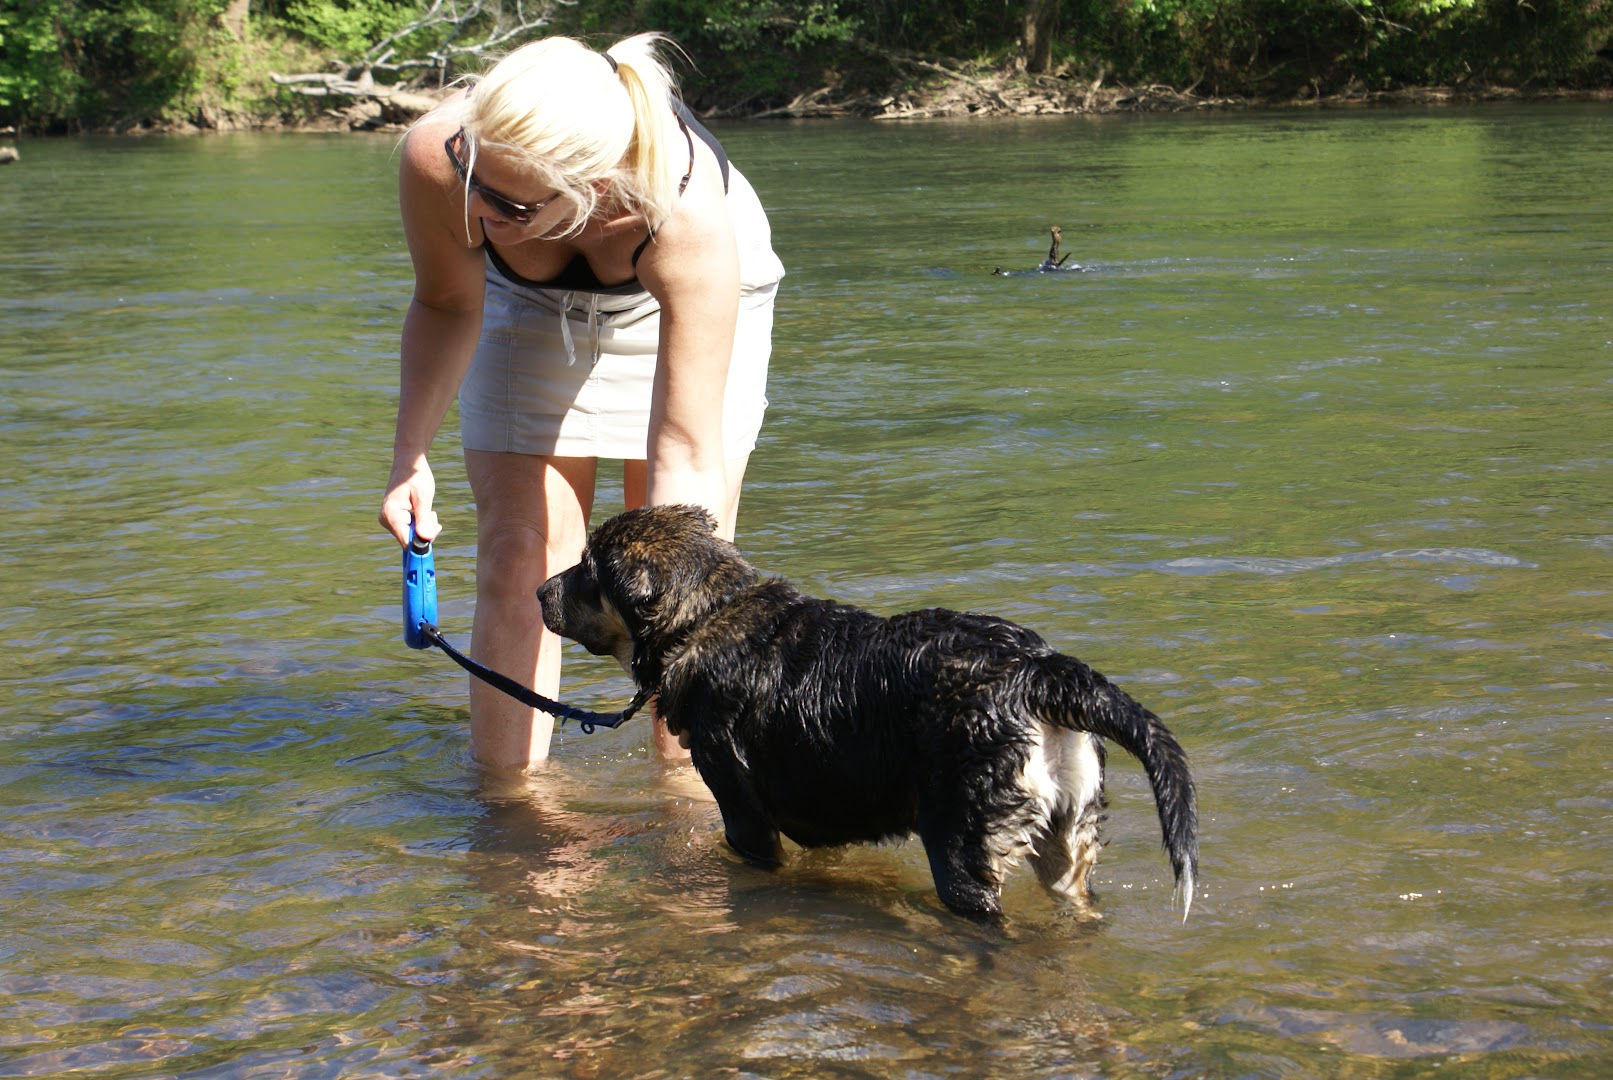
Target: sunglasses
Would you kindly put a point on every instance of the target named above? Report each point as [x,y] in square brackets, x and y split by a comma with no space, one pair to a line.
[504,207]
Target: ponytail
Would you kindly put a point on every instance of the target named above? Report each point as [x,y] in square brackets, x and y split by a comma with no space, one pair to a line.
[648,167]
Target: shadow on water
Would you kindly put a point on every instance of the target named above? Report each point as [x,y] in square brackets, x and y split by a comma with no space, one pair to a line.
[1313,464]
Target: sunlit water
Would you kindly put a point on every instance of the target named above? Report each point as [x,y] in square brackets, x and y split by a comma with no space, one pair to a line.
[1314,460]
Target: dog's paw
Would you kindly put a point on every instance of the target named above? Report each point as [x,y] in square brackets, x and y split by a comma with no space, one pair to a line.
[1078,911]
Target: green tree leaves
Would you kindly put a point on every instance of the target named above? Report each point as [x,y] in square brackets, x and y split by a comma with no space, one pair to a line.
[86,62]
[73,64]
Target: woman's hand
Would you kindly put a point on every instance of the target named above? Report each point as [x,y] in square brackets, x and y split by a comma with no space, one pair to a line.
[408,499]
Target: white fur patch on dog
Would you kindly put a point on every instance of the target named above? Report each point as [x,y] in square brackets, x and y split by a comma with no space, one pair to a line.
[1062,780]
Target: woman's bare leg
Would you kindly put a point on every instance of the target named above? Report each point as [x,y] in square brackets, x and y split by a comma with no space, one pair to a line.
[531,521]
[635,493]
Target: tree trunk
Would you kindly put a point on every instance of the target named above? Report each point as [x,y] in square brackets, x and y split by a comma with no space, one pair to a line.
[234,18]
[1040,18]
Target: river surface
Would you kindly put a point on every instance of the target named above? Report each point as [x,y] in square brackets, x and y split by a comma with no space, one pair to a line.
[1314,456]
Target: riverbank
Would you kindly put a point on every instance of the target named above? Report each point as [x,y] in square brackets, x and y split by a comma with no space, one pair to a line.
[952,94]
[943,93]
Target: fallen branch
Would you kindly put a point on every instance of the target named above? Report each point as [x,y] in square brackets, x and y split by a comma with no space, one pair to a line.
[364,87]
[811,103]
[476,31]
[925,65]
[373,103]
[1092,91]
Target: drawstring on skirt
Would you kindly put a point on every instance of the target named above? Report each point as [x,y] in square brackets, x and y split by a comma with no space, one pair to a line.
[567,301]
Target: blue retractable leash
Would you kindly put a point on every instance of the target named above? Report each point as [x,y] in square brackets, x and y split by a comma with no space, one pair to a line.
[419,591]
[420,632]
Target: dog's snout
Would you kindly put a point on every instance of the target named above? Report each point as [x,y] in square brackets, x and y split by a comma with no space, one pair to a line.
[554,608]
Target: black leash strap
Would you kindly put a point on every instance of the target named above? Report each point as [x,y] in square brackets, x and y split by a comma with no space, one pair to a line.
[586,720]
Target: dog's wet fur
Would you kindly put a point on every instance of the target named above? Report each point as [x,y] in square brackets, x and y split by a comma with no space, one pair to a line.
[832,725]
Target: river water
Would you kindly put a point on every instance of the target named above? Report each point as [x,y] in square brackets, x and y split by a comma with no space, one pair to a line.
[1313,457]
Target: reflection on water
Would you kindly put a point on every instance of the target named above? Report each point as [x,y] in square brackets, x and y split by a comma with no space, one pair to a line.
[1313,461]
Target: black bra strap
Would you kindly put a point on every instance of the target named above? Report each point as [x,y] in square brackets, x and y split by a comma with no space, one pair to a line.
[687,134]
[682,184]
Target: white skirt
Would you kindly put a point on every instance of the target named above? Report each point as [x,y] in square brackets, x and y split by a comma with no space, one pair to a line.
[570,374]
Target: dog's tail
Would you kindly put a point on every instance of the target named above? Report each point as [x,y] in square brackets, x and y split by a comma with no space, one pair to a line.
[1072,695]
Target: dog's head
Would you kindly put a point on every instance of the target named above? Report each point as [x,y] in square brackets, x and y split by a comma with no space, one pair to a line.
[647,577]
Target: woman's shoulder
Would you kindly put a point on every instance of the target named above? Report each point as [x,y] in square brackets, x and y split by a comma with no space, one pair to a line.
[423,142]
[428,188]
[693,250]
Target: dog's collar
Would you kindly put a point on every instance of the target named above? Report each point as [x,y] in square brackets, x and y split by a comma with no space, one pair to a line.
[645,693]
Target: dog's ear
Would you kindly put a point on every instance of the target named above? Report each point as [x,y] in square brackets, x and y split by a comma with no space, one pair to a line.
[664,569]
[664,564]
[697,520]
[635,549]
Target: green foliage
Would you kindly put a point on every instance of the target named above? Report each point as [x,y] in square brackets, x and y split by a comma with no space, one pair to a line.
[1283,46]
[770,47]
[964,28]
[345,28]
[759,52]
[34,80]
[83,62]
[72,64]
[740,26]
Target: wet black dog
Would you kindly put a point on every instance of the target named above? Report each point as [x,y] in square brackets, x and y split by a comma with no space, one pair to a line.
[833,726]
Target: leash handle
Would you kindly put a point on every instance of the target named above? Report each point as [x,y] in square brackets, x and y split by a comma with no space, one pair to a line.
[419,590]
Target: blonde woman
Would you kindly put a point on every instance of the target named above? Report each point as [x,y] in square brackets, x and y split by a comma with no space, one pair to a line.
[595,280]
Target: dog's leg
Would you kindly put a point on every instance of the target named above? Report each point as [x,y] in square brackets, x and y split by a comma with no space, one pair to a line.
[1068,694]
[1063,855]
[1085,845]
[753,840]
[1065,846]
[746,826]
[965,873]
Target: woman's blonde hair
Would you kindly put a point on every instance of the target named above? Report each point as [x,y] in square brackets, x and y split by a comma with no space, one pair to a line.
[583,121]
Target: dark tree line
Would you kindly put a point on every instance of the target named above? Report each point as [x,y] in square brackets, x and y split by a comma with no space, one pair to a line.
[74,64]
